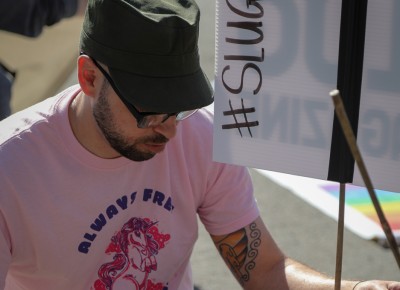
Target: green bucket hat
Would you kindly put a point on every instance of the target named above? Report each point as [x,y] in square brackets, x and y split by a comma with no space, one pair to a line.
[150,48]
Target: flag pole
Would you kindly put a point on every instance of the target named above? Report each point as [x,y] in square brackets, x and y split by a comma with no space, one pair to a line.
[349,79]
[351,141]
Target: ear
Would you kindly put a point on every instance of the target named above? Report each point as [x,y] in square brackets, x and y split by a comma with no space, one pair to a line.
[87,75]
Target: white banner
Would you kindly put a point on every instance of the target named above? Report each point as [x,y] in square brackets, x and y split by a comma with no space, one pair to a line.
[276,62]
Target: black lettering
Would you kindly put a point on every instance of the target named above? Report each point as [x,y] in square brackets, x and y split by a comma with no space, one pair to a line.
[90,237]
[133,197]
[246,57]
[158,198]
[168,205]
[84,247]
[239,90]
[123,202]
[111,211]
[247,14]
[253,26]
[147,194]
[99,223]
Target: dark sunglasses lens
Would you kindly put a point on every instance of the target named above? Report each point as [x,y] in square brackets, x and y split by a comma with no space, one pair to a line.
[152,120]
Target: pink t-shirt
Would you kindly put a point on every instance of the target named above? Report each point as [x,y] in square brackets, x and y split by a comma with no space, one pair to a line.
[72,220]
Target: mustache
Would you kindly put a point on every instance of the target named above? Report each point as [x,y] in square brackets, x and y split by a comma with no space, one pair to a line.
[157,138]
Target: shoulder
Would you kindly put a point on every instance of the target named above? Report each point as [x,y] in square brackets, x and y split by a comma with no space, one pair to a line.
[200,125]
[19,125]
[194,136]
[203,117]
[34,124]
[194,143]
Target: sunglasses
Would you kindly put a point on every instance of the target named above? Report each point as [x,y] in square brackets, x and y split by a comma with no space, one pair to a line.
[144,119]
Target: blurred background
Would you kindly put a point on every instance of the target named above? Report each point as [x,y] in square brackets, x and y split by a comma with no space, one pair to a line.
[47,64]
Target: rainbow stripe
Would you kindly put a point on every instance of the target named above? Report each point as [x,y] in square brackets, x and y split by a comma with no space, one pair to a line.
[358,198]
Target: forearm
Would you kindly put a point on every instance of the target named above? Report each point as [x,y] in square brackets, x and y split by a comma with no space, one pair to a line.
[258,264]
[291,275]
[299,277]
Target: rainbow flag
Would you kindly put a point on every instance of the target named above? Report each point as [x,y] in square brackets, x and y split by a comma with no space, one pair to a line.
[360,214]
[359,199]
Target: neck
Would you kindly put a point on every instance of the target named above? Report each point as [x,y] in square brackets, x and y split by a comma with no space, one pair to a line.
[86,130]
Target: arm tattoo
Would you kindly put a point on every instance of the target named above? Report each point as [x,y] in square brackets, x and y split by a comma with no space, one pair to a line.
[239,250]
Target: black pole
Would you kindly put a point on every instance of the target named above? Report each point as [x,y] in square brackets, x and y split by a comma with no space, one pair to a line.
[349,81]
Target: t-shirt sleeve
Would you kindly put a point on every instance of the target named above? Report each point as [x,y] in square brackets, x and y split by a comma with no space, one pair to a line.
[229,203]
[28,17]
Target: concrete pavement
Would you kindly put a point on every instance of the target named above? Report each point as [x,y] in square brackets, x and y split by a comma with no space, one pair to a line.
[45,65]
[42,64]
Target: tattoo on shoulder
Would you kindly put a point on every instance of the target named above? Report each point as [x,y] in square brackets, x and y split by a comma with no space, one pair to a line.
[239,250]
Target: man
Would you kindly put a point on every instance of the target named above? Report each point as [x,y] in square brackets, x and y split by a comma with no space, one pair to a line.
[27,18]
[102,184]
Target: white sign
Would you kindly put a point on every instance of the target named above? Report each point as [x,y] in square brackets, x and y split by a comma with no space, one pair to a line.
[277,62]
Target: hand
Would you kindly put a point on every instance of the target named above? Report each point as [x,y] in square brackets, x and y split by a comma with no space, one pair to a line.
[377,285]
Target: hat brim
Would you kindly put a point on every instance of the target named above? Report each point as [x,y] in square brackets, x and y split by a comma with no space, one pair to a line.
[164,94]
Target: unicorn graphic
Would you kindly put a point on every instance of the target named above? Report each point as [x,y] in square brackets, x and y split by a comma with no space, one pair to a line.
[134,250]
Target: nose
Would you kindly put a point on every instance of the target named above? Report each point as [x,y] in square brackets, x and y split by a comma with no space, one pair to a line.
[167,128]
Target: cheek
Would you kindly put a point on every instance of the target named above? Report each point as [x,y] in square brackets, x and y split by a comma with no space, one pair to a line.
[120,111]
[125,124]
[122,117]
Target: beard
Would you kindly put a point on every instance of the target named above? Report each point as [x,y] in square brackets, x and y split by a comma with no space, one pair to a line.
[104,118]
